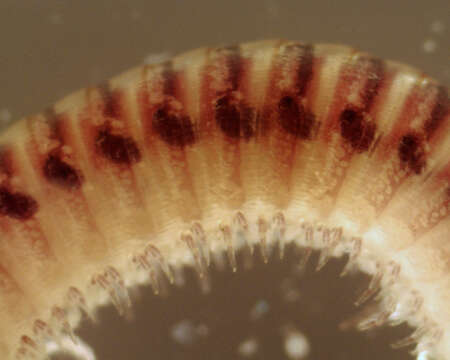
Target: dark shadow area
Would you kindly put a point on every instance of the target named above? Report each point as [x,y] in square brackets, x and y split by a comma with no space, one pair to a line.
[260,302]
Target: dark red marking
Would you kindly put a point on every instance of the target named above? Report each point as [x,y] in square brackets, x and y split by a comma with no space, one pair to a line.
[234,64]
[375,77]
[439,112]
[5,162]
[60,173]
[111,100]
[55,170]
[56,124]
[294,118]
[172,126]
[17,205]
[234,118]
[411,152]
[356,130]
[176,130]
[170,79]
[117,148]
[305,57]
[354,126]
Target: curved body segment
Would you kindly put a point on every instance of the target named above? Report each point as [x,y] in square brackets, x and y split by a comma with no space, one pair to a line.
[331,147]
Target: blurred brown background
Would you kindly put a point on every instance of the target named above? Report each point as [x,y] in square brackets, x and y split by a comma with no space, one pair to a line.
[52,47]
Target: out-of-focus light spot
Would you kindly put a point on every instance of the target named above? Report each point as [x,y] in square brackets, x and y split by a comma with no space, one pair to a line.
[289,290]
[437,27]
[259,310]
[429,46]
[186,332]
[296,345]
[248,347]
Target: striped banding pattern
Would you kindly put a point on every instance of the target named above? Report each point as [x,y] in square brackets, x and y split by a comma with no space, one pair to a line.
[169,163]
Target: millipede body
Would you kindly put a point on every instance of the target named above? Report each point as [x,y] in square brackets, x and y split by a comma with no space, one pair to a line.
[174,162]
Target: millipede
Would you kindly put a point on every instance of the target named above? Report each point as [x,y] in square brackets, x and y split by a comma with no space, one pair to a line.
[250,145]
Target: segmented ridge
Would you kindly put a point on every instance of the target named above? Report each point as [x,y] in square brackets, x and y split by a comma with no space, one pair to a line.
[320,130]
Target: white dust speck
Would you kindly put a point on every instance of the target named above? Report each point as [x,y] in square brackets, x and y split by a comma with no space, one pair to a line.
[202,330]
[289,291]
[185,332]
[272,7]
[157,58]
[259,310]
[135,15]
[5,117]
[437,27]
[56,19]
[429,46]
[248,347]
[296,345]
